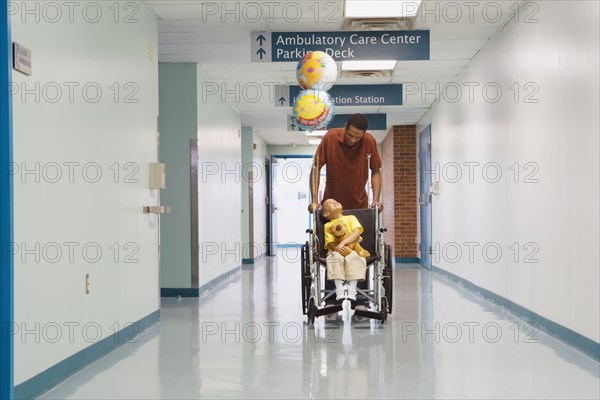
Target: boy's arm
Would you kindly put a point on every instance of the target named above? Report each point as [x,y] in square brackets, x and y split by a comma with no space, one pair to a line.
[353,237]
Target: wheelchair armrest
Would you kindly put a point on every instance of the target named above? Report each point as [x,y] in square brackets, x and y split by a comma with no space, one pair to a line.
[321,260]
[371,260]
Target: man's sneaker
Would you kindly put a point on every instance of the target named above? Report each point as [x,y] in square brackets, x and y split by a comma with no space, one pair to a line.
[330,317]
[358,318]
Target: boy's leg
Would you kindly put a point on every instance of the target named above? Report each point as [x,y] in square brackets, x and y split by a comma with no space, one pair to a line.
[356,268]
[335,272]
[352,290]
[339,289]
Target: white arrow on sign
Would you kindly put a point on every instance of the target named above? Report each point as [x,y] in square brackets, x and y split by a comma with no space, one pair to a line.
[260,45]
[281,95]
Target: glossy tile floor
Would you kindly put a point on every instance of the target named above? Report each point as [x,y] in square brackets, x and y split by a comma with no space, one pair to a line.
[248,339]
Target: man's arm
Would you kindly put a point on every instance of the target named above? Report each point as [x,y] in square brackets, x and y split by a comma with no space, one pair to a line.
[315,175]
[376,186]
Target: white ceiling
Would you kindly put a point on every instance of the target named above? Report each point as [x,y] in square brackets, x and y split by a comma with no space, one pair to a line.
[217,35]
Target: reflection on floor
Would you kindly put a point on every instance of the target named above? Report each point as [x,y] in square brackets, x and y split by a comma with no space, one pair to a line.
[249,339]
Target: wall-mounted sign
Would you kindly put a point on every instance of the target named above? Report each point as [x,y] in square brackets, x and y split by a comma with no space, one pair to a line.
[348,45]
[21,58]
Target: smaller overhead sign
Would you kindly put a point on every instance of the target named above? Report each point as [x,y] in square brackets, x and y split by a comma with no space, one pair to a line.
[347,95]
[377,122]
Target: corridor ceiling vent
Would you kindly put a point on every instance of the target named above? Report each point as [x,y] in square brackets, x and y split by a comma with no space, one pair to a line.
[367,74]
[381,8]
[380,15]
[378,24]
[374,15]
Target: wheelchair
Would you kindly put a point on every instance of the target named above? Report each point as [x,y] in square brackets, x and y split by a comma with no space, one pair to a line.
[379,269]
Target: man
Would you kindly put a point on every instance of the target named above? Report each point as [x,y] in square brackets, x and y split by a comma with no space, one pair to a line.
[345,152]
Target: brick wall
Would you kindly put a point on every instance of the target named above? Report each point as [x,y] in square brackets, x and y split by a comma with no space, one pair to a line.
[399,152]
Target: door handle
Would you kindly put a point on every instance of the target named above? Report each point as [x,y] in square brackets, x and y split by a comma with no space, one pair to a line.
[157,210]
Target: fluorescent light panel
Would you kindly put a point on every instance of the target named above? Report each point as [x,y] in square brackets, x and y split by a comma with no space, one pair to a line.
[381,8]
[316,133]
[368,65]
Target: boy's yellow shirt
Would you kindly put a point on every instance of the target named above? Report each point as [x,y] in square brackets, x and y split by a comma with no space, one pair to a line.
[351,223]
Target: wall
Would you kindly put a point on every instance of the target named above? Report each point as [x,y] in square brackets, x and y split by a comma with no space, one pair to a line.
[399,174]
[247,212]
[253,160]
[178,125]
[186,113]
[219,182]
[85,132]
[260,195]
[544,215]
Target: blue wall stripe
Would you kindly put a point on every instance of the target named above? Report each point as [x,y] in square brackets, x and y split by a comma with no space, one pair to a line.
[288,245]
[407,260]
[192,292]
[59,372]
[560,332]
[253,260]
[183,292]
[6,209]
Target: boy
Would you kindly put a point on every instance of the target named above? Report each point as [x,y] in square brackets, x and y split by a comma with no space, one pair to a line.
[341,268]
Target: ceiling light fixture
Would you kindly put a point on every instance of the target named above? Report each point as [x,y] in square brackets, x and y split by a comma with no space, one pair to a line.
[316,133]
[368,65]
[381,8]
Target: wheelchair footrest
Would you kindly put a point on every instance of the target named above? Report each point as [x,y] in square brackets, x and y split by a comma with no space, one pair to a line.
[368,314]
[329,310]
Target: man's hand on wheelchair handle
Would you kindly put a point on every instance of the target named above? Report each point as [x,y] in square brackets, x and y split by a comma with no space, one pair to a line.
[378,205]
[313,207]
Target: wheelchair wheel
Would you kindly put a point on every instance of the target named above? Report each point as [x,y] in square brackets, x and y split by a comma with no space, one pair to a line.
[384,309]
[312,309]
[305,278]
[388,278]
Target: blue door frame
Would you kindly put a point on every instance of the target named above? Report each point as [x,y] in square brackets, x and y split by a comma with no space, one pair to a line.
[6,209]
[425,196]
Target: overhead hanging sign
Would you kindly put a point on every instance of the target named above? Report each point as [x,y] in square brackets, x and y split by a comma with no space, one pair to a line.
[377,122]
[347,95]
[342,46]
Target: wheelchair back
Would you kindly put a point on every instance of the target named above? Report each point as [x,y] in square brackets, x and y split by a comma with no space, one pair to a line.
[366,217]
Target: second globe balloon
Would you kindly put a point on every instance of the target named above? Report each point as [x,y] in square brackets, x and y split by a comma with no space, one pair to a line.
[313,109]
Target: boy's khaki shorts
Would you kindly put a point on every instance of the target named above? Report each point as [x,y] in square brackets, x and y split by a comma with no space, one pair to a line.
[349,268]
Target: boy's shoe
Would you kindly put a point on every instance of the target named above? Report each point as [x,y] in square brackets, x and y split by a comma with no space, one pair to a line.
[351,295]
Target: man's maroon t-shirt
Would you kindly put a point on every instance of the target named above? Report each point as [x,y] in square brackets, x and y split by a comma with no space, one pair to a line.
[347,174]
